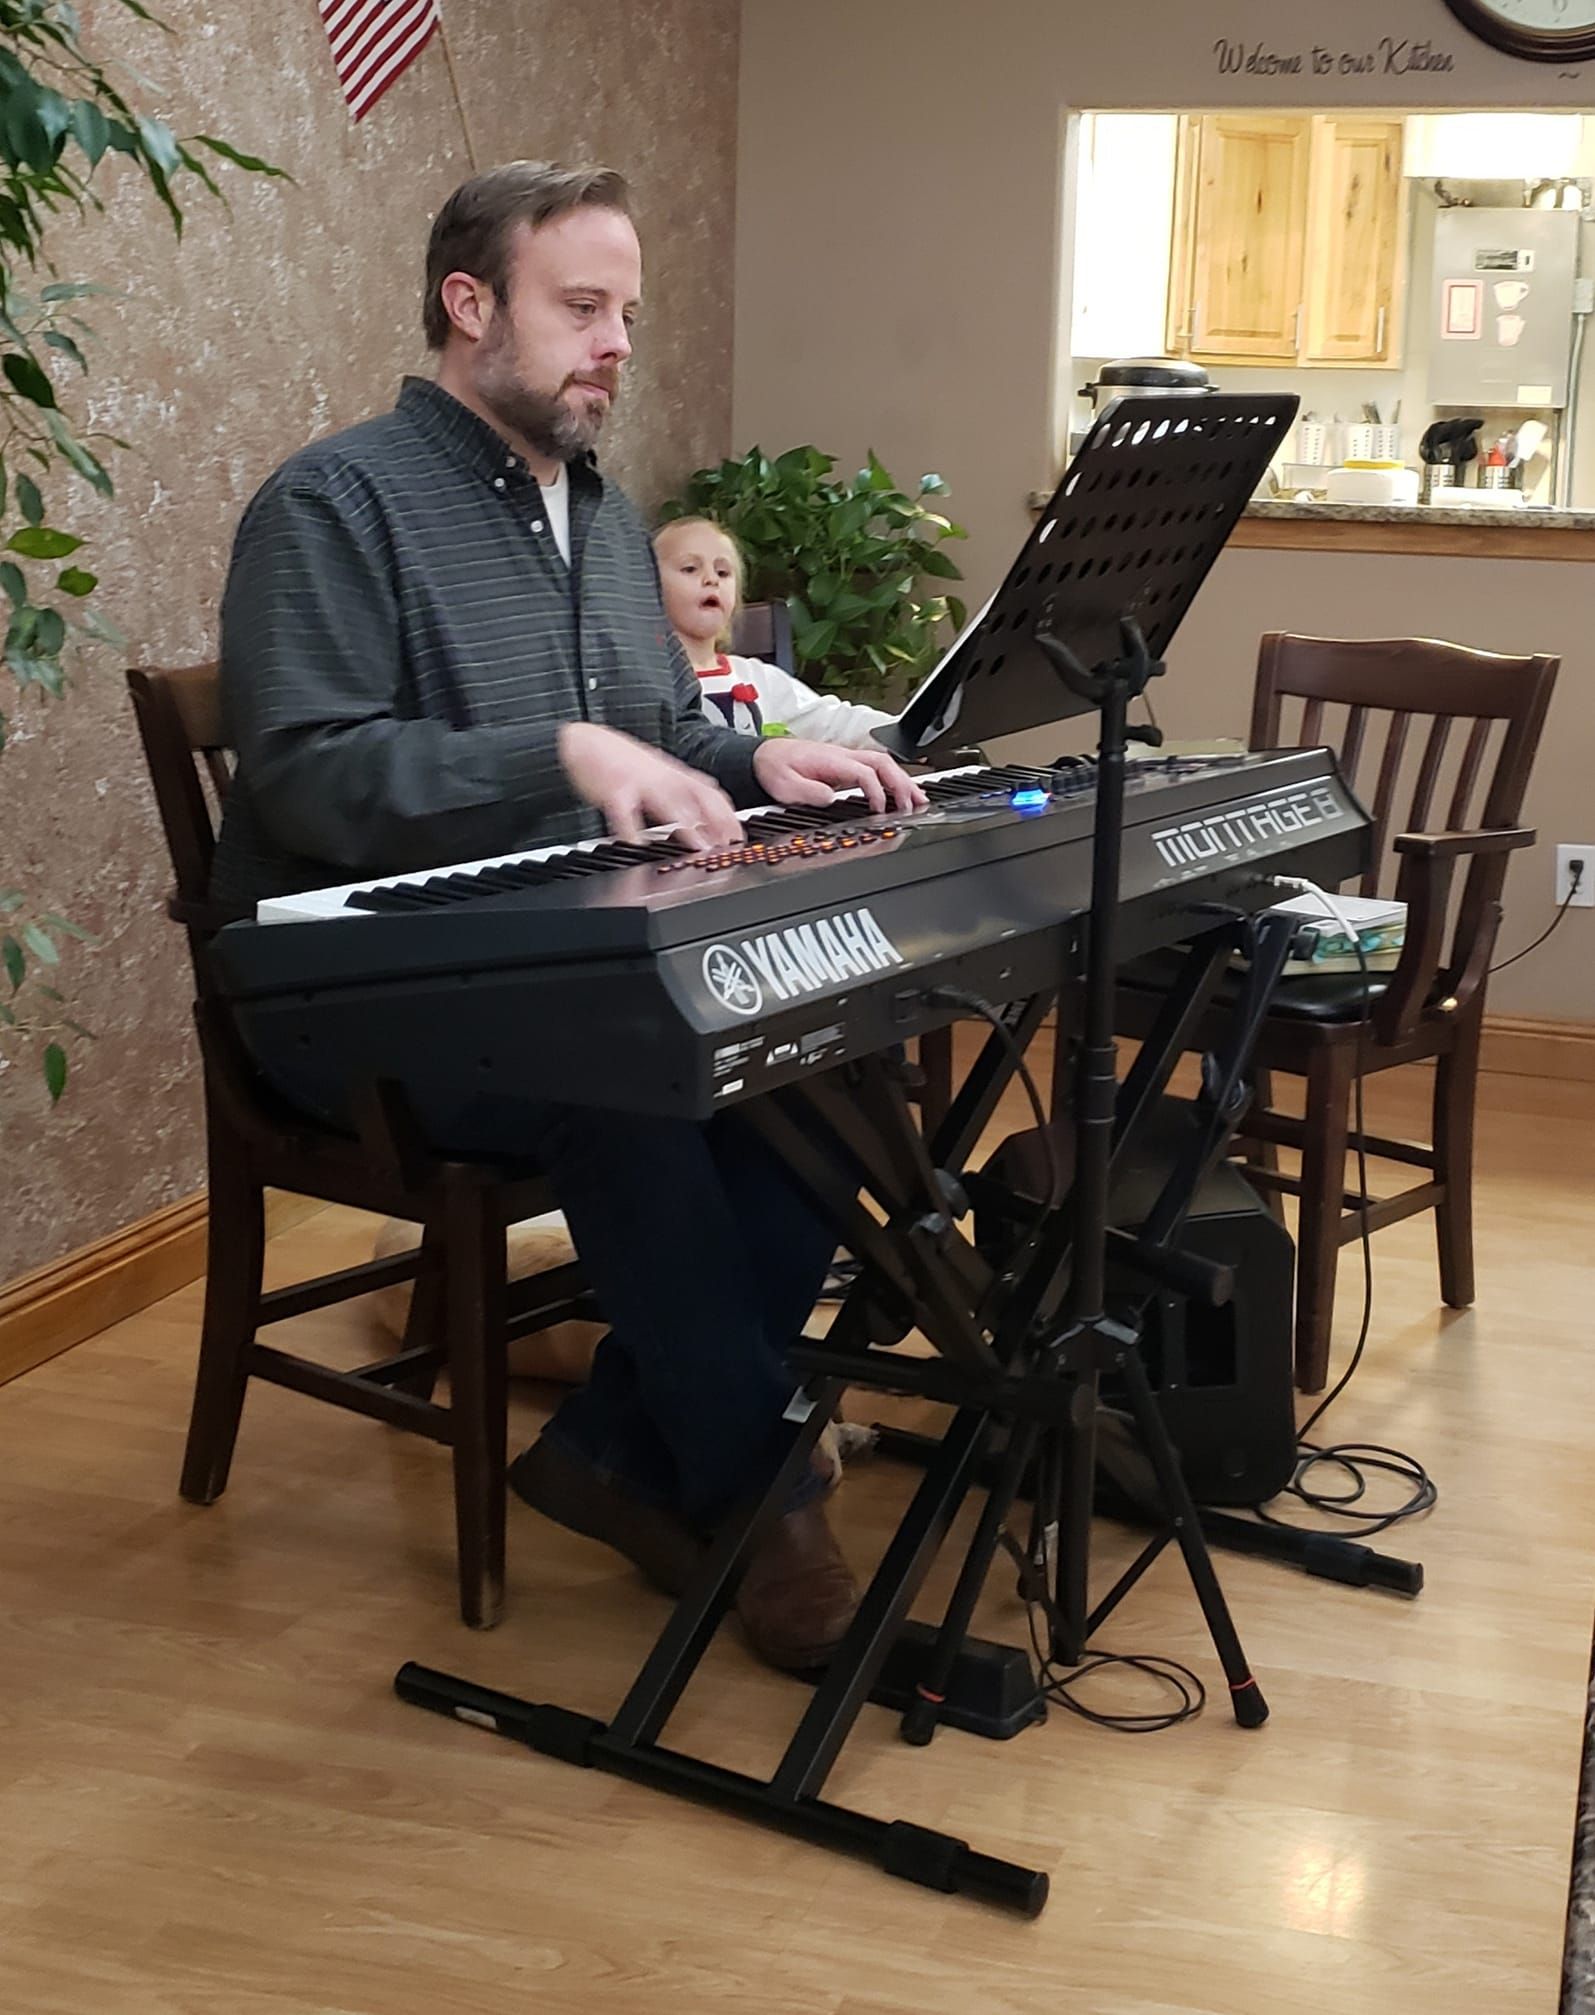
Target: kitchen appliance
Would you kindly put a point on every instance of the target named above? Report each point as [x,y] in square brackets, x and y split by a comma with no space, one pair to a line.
[1146,377]
[1371,483]
[1503,306]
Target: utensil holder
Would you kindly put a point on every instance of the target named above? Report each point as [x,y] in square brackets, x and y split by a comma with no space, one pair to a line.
[1314,443]
[1368,443]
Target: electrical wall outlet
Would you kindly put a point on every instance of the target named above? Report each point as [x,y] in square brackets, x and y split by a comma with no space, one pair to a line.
[1567,858]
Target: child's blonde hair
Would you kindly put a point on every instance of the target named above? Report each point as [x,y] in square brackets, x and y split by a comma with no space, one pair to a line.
[739,559]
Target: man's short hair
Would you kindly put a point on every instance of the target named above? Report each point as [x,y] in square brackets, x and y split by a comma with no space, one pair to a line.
[472,232]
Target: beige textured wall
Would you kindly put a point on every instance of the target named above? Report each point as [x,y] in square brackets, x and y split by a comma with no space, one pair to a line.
[293,315]
[902,289]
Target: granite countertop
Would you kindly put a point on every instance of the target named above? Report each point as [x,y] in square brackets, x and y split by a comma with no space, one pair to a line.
[1527,517]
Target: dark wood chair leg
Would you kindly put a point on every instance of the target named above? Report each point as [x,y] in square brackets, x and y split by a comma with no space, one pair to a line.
[426,1325]
[235,1256]
[475,1315]
[1323,1184]
[936,1066]
[1264,1153]
[1456,1079]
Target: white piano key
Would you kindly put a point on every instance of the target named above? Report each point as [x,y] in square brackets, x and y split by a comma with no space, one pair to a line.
[315,905]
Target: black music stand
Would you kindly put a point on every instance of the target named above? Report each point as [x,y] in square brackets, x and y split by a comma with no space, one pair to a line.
[1022,1339]
[1130,534]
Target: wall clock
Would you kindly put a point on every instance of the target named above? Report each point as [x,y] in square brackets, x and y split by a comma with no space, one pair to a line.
[1544,31]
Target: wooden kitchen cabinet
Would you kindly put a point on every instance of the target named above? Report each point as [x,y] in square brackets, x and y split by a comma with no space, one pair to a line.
[1287,240]
[1354,240]
[1240,224]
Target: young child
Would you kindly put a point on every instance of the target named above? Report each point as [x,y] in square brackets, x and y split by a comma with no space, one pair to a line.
[701,571]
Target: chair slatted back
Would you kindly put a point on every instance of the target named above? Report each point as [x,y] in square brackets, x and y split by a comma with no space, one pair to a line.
[1418,711]
[179,719]
[764,630]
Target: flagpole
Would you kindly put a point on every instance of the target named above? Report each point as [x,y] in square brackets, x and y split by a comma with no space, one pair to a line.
[454,85]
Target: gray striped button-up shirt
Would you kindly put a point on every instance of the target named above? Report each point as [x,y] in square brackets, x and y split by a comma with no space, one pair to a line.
[401,641]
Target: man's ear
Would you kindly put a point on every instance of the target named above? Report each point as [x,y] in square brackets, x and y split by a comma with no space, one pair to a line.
[468,303]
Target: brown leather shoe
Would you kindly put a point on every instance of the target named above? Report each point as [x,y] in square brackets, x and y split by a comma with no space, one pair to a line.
[797,1594]
[574,1495]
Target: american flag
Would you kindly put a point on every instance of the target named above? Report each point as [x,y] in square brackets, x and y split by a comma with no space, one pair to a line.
[374,42]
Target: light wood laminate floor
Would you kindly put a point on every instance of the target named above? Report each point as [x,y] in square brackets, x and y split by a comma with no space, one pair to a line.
[211,1803]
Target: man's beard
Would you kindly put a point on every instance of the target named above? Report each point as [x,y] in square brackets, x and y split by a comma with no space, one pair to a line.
[547,422]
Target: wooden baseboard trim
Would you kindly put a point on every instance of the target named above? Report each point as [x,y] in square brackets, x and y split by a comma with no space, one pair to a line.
[1527,1048]
[47,1311]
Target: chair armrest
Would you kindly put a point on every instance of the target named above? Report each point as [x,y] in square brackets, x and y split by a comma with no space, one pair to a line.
[1449,846]
[1428,866]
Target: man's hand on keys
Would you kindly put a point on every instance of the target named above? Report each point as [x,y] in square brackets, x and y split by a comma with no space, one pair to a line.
[796,772]
[635,786]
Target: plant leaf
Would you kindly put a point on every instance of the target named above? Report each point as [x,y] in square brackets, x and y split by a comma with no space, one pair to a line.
[74,581]
[28,378]
[90,129]
[29,502]
[251,163]
[160,144]
[40,542]
[933,562]
[72,290]
[54,1070]
[14,959]
[98,625]
[40,943]
[88,466]
[57,341]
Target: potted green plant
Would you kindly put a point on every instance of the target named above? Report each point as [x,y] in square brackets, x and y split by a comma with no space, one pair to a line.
[859,563]
[60,116]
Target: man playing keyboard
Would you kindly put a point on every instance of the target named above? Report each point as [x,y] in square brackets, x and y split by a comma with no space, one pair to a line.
[442,640]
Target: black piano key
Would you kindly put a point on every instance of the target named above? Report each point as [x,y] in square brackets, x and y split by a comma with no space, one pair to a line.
[506,876]
[397,896]
[955,790]
[781,822]
[626,854]
[573,866]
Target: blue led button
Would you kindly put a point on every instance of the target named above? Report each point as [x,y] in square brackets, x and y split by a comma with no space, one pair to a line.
[1030,799]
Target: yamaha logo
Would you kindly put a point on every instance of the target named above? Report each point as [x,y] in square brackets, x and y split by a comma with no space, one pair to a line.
[729,978]
[784,965]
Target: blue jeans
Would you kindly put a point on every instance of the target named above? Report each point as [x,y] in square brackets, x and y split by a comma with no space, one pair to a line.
[707,1260]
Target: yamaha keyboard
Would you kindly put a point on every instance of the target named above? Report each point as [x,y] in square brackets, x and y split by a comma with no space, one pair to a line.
[656,980]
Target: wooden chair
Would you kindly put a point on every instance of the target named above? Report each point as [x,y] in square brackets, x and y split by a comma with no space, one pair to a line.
[764,630]
[463,1311]
[1432,1005]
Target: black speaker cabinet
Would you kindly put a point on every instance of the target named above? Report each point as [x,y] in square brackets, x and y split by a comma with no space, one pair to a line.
[1223,1376]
